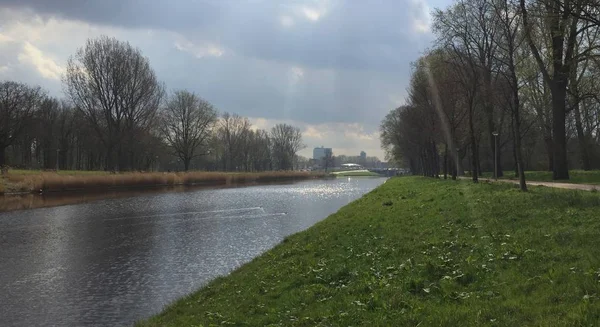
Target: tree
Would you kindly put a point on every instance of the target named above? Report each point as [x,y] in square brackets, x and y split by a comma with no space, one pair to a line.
[18,103]
[187,122]
[117,91]
[232,134]
[286,141]
[562,28]
[508,43]
[328,159]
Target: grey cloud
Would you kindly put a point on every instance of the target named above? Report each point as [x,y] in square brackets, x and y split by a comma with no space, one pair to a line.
[350,35]
[172,14]
[259,89]
[353,58]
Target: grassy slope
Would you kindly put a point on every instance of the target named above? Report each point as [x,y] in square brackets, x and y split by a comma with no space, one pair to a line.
[577,176]
[421,251]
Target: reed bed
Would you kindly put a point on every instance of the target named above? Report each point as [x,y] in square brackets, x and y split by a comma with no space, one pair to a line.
[53,182]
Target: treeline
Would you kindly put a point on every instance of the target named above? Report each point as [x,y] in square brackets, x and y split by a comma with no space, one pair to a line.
[519,77]
[117,116]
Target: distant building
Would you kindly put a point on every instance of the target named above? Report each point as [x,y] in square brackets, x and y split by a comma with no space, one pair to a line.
[351,166]
[363,158]
[320,153]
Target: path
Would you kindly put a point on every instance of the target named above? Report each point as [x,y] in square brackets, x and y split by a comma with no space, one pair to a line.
[569,186]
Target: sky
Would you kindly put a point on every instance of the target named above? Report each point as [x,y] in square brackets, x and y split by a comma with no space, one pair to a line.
[333,68]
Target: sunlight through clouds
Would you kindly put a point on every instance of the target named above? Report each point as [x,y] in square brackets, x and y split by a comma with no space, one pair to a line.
[44,65]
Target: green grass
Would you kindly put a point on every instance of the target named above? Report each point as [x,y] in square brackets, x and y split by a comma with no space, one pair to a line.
[576,176]
[419,251]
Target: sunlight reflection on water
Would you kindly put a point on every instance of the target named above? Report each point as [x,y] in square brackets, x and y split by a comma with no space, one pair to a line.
[114,261]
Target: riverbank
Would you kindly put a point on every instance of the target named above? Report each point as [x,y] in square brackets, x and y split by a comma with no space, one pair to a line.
[421,251]
[34,182]
[355,173]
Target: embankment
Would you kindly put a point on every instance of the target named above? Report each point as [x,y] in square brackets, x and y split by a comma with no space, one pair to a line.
[426,252]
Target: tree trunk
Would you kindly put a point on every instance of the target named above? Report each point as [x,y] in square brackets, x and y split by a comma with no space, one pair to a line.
[446,161]
[549,151]
[521,170]
[516,160]
[2,155]
[186,163]
[559,135]
[474,161]
[581,138]
[517,136]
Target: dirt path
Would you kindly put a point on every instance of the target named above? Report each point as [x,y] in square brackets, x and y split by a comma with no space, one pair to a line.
[569,186]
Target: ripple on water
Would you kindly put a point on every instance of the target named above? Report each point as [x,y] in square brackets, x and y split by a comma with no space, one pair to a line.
[114,261]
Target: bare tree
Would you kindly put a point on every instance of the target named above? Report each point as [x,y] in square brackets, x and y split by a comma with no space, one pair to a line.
[115,87]
[187,122]
[286,141]
[508,42]
[18,103]
[328,159]
[232,134]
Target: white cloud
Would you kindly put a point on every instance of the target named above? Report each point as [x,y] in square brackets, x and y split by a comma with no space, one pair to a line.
[343,138]
[286,21]
[46,66]
[200,51]
[5,38]
[311,13]
[421,22]
[296,73]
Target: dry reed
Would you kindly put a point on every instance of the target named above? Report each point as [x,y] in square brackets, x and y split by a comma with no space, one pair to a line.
[51,181]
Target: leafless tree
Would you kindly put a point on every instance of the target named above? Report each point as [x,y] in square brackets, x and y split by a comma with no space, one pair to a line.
[232,134]
[286,142]
[187,122]
[18,103]
[117,90]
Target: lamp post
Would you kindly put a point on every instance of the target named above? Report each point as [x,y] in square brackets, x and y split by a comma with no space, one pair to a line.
[495,133]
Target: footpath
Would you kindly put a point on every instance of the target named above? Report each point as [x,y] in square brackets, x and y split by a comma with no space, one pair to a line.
[569,186]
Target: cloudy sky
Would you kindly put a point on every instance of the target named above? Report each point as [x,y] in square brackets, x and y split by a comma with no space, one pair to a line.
[334,68]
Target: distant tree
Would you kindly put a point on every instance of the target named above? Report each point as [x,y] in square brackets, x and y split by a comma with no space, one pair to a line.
[18,103]
[286,142]
[187,122]
[116,89]
[328,159]
[232,135]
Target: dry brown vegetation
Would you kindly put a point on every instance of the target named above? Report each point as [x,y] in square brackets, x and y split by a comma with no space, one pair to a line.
[51,181]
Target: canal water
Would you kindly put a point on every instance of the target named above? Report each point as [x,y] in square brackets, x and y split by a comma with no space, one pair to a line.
[112,262]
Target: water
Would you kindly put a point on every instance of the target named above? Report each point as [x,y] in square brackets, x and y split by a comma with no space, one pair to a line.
[115,261]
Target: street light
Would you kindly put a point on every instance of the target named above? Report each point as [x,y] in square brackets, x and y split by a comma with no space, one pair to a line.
[495,133]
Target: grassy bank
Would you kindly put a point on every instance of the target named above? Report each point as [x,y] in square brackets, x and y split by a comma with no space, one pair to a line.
[25,181]
[423,252]
[351,173]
